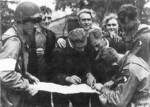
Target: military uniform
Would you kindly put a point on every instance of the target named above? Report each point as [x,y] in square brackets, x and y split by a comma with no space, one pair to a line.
[13,48]
[131,86]
[139,45]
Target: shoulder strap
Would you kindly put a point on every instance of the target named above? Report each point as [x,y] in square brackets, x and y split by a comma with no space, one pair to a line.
[21,51]
[3,41]
[145,67]
[144,29]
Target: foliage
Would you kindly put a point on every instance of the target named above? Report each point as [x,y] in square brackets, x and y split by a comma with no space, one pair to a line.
[101,7]
[7,14]
[62,4]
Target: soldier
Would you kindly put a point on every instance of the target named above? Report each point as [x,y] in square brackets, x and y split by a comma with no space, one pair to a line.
[15,47]
[131,86]
[136,36]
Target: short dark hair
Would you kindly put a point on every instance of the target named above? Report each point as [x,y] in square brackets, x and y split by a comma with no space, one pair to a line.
[127,10]
[45,9]
[107,55]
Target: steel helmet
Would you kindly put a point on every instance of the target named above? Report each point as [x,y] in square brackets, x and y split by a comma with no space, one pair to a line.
[27,10]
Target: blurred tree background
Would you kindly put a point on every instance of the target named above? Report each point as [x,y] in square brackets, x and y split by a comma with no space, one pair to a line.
[6,14]
[101,7]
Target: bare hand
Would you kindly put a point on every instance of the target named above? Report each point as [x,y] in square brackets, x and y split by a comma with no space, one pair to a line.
[33,79]
[90,80]
[39,51]
[73,79]
[31,90]
[103,99]
[116,38]
[61,43]
[98,86]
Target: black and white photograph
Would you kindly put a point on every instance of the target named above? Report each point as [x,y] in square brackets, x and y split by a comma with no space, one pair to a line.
[74,53]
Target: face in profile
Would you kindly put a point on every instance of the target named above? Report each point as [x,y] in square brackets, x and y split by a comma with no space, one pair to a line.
[85,21]
[112,26]
[46,19]
[28,26]
[99,43]
[127,24]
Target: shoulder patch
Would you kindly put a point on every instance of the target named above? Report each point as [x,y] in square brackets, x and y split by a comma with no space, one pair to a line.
[125,78]
[138,43]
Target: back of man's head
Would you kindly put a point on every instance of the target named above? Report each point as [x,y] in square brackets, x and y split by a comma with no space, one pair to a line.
[107,55]
[96,36]
[127,10]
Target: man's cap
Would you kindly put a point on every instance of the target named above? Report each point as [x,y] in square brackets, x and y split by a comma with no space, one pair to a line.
[78,37]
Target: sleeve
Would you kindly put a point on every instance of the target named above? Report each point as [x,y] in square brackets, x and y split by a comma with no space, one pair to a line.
[50,45]
[136,46]
[87,63]
[122,94]
[13,80]
[11,48]
[121,47]
[52,39]
[10,78]
[58,68]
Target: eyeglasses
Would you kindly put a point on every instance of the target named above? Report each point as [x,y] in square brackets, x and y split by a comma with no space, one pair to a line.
[111,24]
[33,20]
[88,19]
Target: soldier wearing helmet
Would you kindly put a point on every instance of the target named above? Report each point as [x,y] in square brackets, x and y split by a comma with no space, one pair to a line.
[16,79]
